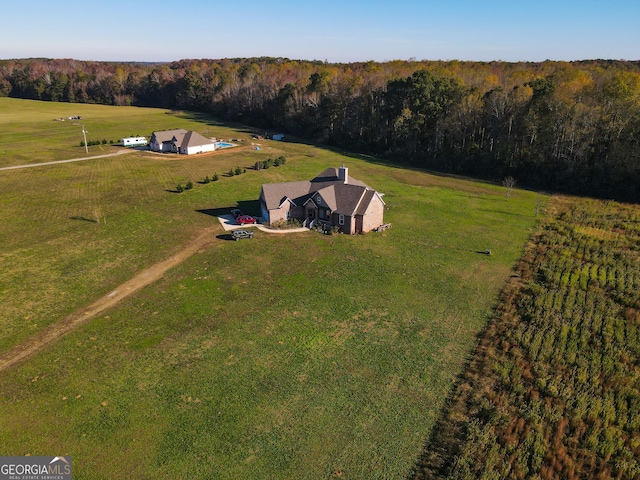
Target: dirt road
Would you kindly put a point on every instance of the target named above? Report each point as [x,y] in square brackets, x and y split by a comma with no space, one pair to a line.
[31,165]
[57,330]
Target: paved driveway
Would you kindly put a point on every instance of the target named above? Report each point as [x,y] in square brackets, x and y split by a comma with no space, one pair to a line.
[228,222]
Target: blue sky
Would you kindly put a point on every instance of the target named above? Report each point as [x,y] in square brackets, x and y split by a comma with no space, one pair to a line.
[337,31]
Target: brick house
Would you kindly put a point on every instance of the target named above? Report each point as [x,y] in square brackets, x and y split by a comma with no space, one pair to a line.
[333,198]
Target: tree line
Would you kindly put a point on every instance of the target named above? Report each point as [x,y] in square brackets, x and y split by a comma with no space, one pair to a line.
[564,126]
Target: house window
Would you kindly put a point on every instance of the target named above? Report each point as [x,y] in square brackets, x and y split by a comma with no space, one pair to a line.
[318,200]
[341,219]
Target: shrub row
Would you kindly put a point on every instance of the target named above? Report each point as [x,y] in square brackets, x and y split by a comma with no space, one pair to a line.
[235,171]
[104,141]
[188,186]
[270,162]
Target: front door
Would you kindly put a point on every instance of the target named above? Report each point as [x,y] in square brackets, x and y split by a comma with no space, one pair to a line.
[359,223]
[311,213]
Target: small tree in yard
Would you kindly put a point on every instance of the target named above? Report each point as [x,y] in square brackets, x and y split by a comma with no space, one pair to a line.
[231,172]
[179,188]
[509,184]
[215,177]
[189,185]
[238,171]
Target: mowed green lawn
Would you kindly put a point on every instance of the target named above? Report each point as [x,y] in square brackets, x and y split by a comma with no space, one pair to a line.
[285,356]
[31,132]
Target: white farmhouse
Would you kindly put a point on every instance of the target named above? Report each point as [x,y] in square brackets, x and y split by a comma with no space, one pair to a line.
[181,141]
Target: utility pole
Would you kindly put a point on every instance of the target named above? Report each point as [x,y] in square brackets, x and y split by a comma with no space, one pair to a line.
[84,134]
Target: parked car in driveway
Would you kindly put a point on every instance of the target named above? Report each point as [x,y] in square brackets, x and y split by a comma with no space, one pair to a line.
[238,234]
[246,220]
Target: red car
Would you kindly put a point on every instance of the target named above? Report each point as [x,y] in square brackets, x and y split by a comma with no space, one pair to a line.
[246,219]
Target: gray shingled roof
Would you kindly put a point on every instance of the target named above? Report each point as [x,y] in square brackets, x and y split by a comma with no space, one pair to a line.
[194,139]
[366,200]
[182,138]
[344,198]
[276,193]
[348,198]
[169,135]
[328,194]
[330,176]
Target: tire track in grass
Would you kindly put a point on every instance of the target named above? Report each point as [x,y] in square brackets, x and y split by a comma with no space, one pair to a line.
[57,162]
[59,329]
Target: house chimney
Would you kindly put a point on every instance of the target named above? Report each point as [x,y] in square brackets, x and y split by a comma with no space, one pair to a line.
[343,174]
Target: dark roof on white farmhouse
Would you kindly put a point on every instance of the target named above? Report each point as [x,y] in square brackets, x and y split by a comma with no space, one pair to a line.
[194,139]
[169,135]
[181,137]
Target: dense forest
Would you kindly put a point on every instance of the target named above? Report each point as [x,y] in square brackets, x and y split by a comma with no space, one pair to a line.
[564,126]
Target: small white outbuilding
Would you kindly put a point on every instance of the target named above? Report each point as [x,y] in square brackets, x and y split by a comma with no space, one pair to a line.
[134,141]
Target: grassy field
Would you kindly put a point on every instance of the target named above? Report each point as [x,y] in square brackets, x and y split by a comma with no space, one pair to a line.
[297,356]
[31,134]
